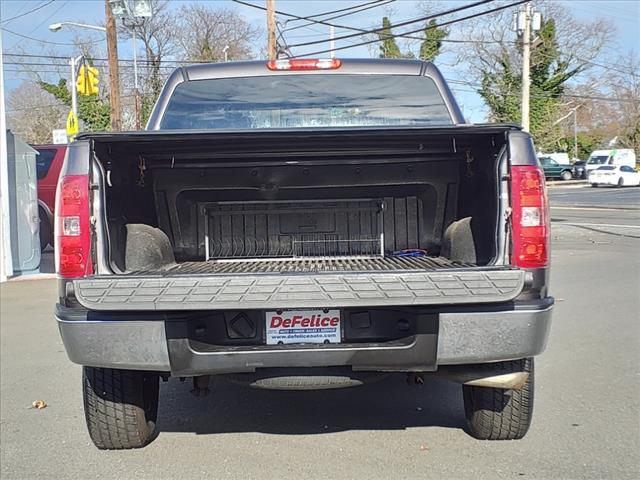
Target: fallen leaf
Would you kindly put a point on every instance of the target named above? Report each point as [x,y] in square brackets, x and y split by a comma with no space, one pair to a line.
[424,448]
[39,404]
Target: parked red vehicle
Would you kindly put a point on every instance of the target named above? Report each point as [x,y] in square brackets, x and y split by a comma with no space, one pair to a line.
[48,165]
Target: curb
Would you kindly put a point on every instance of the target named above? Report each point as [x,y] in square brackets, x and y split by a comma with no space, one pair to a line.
[568,183]
[33,276]
[579,206]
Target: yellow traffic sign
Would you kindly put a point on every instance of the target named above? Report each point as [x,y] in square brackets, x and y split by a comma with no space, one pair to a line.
[72,125]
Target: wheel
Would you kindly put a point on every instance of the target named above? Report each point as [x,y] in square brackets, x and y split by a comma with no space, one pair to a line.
[498,414]
[45,231]
[120,406]
[566,175]
[620,182]
[594,185]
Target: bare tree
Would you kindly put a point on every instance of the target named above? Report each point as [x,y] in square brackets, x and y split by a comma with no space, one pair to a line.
[204,31]
[158,36]
[33,113]
[625,87]
[561,57]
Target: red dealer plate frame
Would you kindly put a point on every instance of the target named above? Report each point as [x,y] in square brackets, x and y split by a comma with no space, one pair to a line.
[310,325]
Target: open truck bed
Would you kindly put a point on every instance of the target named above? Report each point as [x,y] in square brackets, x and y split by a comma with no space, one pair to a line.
[296,219]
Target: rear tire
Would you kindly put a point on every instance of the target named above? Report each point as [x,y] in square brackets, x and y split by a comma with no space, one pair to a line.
[621,182]
[594,185]
[566,175]
[46,237]
[120,406]
[498,414]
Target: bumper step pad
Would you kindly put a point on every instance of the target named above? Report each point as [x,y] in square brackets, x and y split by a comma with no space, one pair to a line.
[278,291]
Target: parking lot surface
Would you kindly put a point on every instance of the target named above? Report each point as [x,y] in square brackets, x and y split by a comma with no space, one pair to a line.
[586,421]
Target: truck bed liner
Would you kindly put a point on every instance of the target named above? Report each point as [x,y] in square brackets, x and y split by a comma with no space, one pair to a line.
[306,265]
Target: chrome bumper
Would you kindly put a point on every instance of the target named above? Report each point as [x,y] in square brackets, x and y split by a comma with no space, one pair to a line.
[462,338]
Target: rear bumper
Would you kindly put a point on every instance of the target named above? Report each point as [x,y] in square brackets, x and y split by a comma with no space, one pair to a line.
[462,336]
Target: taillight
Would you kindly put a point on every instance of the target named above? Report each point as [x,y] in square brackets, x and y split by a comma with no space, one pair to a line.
[73,236]
[304,64]
[530,217]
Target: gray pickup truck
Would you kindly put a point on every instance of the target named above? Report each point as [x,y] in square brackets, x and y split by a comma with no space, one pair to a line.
[303,224]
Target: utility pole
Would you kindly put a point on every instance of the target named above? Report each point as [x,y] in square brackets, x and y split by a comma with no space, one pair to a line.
[271,30]
[114,82]
[526,24]
[526,53]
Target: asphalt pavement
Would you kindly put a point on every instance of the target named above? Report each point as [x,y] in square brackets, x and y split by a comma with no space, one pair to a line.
[601,197]
[586,422]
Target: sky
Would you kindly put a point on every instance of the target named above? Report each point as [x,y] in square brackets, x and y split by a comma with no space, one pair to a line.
[624,15]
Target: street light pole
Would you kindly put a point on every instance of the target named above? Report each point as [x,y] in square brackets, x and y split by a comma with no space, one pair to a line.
[136,91]
[73,62]
[575,132]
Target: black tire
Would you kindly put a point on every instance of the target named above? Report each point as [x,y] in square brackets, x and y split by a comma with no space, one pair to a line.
[566,175]
[498,414]
[46,234]
[120,406]
[621,182]
[594,185]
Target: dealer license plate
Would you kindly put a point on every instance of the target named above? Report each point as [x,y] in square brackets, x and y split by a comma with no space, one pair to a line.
[303,326]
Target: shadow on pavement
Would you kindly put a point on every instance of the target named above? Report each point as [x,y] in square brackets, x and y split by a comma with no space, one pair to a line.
[389,404]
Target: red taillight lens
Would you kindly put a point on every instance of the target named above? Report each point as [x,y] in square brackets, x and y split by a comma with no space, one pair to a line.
[73,236]
[304,64]
[530,217]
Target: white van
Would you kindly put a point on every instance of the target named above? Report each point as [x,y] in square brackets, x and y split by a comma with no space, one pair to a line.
[619,156]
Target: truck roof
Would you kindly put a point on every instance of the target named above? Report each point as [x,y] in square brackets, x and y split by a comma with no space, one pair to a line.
[348,66]
[254,68]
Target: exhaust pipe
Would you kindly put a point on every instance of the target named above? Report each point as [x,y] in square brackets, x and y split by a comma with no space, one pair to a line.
[483,377]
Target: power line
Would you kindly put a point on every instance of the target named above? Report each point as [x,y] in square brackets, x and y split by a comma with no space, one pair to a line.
[375,30]
[364,31]
[568,95]
[404,23]
[352,7]
[48,18]
[48,42]
[28,12]
[443,24]
[378,4]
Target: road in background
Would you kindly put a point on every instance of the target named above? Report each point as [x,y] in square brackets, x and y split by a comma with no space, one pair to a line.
[609,197]
[585,423]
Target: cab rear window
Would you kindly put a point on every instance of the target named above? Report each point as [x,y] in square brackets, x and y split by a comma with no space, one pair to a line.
[298,101]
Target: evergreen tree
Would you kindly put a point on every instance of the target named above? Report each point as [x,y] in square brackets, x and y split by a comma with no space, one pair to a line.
[389,47]
[432,43]
[501,86]
[92,110]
